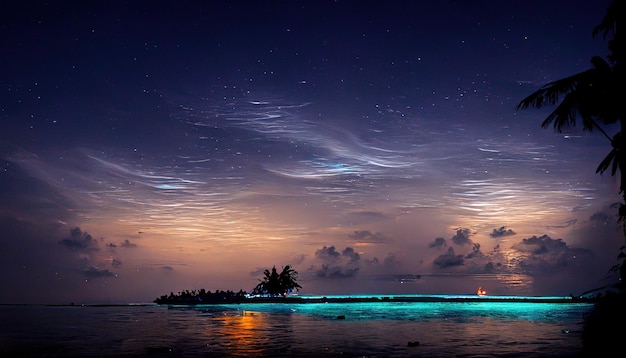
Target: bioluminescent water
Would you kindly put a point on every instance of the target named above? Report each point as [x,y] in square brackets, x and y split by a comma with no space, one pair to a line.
[358,329]
[423,310]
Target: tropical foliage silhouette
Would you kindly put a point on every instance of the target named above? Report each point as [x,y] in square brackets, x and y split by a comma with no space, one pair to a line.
[201,296]
[596,98]
[275,284]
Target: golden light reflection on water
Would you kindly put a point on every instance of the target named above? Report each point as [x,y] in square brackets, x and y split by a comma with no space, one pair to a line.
[242,329]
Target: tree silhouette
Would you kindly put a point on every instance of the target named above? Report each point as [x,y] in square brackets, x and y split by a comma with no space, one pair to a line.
[275,284]
[596,98]
[201,296]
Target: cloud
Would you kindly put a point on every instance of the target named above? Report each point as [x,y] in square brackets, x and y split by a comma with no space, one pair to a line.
[351,254]
[391,261]
[490,267]
[79,240]
[335,264]
[501,232]
[327,253]
[540,245]
[438,243]
[449,259]
[298,259]
[33,247]
[475,252]
[543,255]
[87,248]
[368,236]
[330,271]
[535,256]
[389,265]
[127,243]
[462,237]
[551,264]
[599,217]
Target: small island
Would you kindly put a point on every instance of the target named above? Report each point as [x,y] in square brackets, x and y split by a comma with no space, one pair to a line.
[276,288]
[273,285]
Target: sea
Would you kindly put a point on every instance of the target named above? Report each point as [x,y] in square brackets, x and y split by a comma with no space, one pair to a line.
[357,329]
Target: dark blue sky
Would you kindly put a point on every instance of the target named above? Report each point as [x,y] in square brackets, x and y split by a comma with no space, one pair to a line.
[354,140]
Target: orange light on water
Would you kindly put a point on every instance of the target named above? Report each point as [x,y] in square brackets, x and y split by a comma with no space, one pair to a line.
[243,329]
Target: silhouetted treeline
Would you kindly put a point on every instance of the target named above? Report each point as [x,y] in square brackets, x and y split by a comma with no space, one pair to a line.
[202,296]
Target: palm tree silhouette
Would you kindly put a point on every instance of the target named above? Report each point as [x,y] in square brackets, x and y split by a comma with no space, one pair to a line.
[596,97]
[275,284]
[288,278]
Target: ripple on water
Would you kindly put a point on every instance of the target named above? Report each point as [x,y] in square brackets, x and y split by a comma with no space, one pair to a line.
[374,330]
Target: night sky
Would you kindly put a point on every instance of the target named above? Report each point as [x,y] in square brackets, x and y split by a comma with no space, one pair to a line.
[157,146]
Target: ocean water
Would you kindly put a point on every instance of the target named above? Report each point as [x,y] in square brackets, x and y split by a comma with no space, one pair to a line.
[373,329]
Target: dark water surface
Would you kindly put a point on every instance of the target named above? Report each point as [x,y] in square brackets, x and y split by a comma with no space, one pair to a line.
[443,329]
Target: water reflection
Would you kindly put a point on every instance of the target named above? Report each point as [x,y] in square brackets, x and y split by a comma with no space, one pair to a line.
[304,330]
[240,329]
[249,332]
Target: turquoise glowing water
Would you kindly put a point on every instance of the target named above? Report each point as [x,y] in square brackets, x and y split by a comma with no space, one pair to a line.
[372,329]
[473,296]
[401,311]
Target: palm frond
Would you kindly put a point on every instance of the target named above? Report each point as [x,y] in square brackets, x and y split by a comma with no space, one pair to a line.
[564,115]
[548,94]
[590,123]
[599,64]
[609,22]
[606,162]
